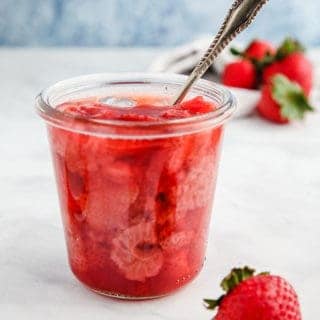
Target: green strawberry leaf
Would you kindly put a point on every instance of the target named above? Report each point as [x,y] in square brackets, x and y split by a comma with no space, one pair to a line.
[288,46]
[291,98]
[236,276]
[265,61]
[212,304]
[236,52]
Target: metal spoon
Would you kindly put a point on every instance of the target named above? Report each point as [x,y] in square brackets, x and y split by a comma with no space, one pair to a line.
[240,16]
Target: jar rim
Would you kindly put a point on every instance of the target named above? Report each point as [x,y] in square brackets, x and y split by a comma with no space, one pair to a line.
[67,121]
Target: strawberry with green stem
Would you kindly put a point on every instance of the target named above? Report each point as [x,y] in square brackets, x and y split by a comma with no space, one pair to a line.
[290,61]
[282,101]
[257,50]
[255,297]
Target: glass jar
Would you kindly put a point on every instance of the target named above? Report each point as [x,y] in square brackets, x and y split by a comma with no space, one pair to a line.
[135,197]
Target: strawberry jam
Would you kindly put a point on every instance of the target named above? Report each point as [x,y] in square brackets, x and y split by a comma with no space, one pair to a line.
[136,210]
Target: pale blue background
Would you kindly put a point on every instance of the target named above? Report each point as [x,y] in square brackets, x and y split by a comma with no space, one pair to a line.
[143,22]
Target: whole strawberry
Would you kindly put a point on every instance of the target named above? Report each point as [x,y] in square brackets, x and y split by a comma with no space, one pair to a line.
[255,297]
[291,62]
[283,100]
[259,49]
[240,74]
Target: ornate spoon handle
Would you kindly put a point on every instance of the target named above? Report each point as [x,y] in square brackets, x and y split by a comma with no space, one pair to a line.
[240,16]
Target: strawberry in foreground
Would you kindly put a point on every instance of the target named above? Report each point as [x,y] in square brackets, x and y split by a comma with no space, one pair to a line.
[255,297]
[283,100]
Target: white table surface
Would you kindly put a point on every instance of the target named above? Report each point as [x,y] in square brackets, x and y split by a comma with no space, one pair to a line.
[266,213]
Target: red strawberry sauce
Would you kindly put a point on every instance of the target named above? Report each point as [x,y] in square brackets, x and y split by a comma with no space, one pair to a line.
[136,211]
